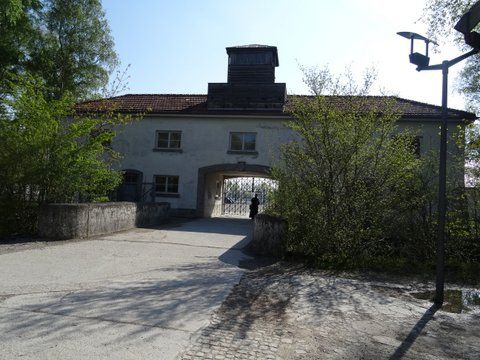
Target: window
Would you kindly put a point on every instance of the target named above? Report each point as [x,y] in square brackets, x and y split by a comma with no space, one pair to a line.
[416,145]
[240,141]
[169,139]
[130,178]
[165,184]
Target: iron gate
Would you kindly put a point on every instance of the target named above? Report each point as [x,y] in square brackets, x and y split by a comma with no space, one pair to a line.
[239,191]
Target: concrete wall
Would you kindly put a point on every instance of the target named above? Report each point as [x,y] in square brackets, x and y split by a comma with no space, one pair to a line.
[151,214]
[268,235]
[69,221]
[213,200]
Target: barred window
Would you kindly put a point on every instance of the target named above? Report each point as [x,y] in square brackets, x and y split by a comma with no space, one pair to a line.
[166,184]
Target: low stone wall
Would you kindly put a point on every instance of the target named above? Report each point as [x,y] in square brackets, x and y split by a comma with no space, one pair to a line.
[151,214]
[184,213]
[69,221]
[268,235]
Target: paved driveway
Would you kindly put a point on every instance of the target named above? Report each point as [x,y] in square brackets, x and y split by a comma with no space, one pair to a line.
[139,294]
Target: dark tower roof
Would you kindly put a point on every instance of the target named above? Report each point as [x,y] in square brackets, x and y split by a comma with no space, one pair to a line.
[251,81]
[254,49]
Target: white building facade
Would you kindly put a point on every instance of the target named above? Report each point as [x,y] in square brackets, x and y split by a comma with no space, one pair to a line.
[185,146]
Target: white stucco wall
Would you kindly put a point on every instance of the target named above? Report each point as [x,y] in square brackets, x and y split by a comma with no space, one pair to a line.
[205,142]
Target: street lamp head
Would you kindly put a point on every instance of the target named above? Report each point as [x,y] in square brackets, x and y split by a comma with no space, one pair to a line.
[415,36]
[421,60]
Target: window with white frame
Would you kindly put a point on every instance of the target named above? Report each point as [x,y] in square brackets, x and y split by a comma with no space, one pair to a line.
[168,139]
[243,141]
[166,184]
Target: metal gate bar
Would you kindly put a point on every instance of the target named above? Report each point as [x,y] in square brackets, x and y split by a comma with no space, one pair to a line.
[239,191]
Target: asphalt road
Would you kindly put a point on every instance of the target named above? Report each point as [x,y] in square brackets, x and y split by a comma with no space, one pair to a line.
[140,294]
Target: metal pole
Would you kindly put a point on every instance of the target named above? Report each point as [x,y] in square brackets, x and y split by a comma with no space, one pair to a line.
[442,174]
[442,197]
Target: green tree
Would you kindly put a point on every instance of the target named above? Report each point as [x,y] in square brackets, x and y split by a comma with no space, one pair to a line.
[50,154]
[67,43]
[76,52]
[351,188]
[345,183]
[17,30]
[52,54]
[322,81]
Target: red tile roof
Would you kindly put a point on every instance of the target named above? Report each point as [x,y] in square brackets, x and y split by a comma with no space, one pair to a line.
[147,103]
[197,105]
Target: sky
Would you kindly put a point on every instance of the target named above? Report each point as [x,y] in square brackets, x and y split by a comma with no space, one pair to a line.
[178,47]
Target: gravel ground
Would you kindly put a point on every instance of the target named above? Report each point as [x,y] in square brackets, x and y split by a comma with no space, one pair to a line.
[287,312]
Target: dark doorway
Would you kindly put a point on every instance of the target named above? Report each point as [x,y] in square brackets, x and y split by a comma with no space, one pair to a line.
[239,191]
[131,188]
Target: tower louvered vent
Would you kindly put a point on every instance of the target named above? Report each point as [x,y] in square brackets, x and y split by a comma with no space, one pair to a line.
[251,81]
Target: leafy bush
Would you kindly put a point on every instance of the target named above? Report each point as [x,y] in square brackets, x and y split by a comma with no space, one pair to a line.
[355,195]
[49,154]
[350,181]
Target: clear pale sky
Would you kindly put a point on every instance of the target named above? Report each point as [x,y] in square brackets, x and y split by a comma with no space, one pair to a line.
[179,46]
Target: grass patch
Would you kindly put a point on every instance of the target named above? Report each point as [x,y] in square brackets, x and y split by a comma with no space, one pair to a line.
[453,301]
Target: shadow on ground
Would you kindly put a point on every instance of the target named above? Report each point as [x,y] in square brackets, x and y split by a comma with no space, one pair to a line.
[295,313]
[414,333]
[218,225]
[181,302]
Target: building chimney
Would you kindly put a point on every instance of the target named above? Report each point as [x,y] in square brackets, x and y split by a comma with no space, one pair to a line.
[251,81]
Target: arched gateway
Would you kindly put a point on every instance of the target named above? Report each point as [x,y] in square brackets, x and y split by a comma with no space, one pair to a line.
[210,185]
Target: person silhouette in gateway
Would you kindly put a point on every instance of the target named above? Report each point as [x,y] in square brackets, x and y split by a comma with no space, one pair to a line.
[254,206]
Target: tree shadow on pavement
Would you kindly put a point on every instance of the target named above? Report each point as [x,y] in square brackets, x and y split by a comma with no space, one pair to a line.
[363,319]
[180,298]
[261,298]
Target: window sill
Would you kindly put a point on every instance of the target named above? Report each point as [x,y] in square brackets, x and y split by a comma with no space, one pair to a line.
[242,152]
[167,150]
[170,195]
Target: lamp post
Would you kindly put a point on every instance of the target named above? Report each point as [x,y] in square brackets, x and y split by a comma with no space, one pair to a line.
[465,25]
